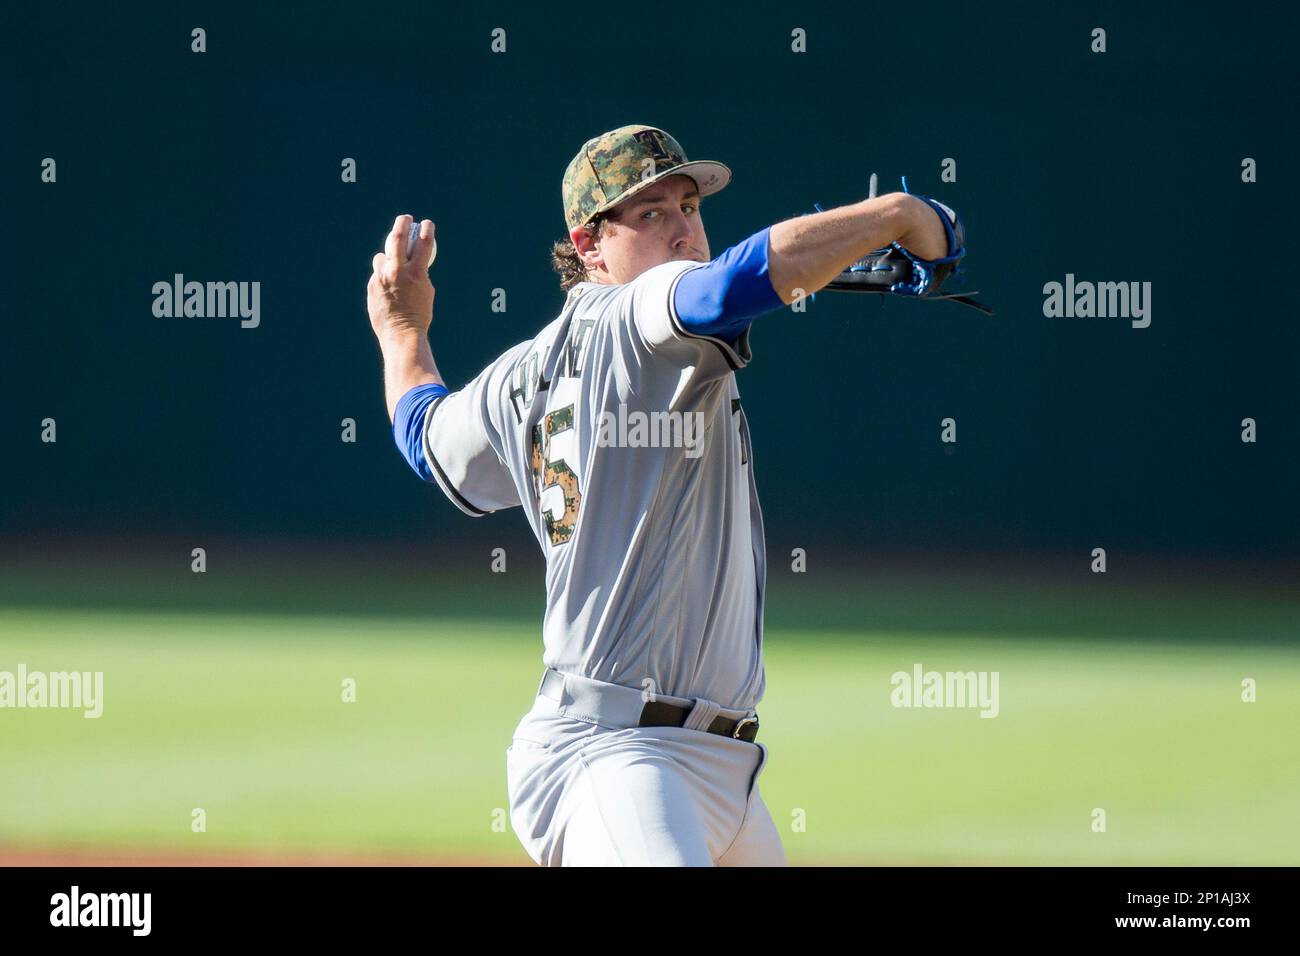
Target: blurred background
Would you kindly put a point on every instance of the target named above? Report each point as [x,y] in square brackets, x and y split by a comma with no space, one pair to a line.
[329,560]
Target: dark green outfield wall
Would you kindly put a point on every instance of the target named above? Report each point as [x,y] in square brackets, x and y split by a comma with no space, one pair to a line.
[1072,432]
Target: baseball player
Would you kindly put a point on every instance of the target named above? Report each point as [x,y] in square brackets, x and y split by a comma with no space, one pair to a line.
[640,747]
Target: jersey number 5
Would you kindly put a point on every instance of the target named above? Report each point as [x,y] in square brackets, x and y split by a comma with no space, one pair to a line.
[551,473]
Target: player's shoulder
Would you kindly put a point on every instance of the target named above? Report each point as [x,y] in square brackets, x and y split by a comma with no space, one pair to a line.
[588,297]
[547,334]
[535,349]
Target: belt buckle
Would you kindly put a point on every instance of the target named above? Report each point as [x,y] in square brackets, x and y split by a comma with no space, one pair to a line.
[741,723]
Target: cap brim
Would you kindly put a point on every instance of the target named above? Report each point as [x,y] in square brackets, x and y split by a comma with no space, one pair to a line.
[710,177]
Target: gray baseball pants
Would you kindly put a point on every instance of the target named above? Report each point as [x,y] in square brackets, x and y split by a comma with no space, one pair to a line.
[588,787]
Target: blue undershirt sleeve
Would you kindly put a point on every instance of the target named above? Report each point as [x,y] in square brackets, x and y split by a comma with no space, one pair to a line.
[724,297]
[408,425]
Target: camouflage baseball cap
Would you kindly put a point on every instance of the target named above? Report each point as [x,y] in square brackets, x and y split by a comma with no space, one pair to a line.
[624,161]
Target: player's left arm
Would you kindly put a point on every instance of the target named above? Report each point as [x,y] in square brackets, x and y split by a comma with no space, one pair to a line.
[774,266]
[683,324]
[777,265]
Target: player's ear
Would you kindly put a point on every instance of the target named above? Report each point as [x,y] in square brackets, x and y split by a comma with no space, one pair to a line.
[584,241]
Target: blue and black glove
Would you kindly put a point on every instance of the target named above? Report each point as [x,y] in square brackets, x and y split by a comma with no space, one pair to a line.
[897,270]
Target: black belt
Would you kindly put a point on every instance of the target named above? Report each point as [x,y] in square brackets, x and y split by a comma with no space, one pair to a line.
[657,713]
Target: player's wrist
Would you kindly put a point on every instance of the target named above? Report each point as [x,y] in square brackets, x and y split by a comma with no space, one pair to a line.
[894,216]
[402,335]
[407,355]
[924,234]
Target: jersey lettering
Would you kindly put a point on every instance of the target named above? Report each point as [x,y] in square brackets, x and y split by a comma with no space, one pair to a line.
[551,472]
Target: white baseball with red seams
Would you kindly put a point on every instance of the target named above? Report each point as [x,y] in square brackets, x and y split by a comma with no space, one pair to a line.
[411,238]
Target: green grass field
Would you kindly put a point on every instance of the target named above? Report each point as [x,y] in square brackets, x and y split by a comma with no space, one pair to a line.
[241,715]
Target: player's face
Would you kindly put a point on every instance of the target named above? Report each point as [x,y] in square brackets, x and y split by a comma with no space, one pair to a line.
[655,226]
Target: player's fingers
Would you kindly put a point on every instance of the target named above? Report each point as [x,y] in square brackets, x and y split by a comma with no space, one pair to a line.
[378,264]
[423,246]
[395,244]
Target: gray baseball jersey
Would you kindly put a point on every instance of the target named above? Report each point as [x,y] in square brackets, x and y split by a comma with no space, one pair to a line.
[622,437]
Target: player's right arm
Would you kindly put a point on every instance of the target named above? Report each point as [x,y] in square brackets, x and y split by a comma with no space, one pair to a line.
[399,298]
[807,252]
[446,437]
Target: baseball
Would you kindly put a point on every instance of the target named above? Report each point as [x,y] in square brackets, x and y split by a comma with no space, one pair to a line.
[410,244]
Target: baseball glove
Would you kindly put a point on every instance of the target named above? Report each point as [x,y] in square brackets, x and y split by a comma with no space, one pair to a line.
[896,270]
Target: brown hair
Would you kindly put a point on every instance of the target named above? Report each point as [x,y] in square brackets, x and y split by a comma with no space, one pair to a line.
[564,256]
